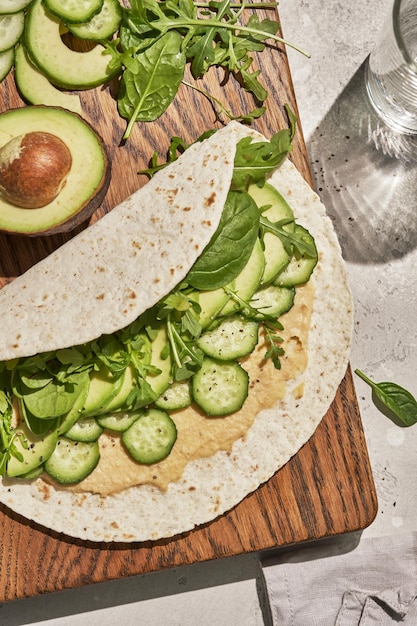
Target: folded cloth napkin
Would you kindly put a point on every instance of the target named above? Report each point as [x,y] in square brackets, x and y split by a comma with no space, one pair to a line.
[346,581]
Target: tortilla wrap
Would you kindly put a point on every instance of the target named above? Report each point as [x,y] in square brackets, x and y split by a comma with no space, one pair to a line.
[211,486]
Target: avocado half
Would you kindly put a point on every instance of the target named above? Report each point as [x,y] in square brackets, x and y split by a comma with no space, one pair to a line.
[86,183]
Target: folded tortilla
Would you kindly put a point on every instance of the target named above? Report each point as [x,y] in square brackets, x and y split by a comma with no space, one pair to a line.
[195,185]
[104,278]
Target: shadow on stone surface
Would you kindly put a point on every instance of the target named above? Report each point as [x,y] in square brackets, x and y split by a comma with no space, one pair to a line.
[366,175]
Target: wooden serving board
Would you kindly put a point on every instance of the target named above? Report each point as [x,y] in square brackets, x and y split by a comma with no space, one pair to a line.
[326,489]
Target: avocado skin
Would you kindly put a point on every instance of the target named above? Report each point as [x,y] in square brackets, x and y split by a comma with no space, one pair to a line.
[88,205]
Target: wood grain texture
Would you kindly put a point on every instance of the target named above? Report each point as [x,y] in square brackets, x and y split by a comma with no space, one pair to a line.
[324,490]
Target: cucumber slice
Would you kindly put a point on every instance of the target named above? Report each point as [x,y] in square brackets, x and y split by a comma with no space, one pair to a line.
[84,429]
[74,10]
[118,422]
[273,300]
[103,25]
[220,388]
[150,439]
[235,337]
[71,461]
[11,29]
[6,62]
[13,6]
[300,267]
[176,396]
[35,88]
[64,68]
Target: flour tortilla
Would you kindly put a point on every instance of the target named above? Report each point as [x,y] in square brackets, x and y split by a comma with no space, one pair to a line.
[211,486]
[109,274]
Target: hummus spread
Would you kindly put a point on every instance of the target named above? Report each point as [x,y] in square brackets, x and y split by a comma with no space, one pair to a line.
[200,436]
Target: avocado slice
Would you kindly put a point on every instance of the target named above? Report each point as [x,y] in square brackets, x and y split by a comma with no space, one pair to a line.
[35,449]
[86,183]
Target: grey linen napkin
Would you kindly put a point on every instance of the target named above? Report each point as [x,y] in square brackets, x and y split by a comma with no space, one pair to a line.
[346,581]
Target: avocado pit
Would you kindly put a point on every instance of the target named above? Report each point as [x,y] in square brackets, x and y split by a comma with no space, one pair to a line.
[33,169]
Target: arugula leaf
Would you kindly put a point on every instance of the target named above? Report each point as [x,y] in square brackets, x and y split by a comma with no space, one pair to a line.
[275,351]
[7,433]
[254,160]
[397,399]
[298,239]
[231,245]
[180,313]
[209,35]
[270,324]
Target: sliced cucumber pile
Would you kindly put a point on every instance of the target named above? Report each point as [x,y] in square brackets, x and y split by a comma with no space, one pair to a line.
[30,29]
[11,29]
[136,399]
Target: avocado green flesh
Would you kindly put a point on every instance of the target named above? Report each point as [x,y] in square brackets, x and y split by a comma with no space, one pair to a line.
[103,388]
[217,302]
[85,179]
[278,210]
[35,451]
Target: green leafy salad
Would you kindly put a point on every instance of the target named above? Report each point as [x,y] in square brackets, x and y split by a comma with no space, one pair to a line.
[184,350]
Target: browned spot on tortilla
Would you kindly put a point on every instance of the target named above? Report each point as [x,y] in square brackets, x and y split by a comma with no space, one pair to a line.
[211,199]
[44,489]
[101,296]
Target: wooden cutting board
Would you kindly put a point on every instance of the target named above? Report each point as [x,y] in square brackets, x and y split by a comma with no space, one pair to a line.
[326,489]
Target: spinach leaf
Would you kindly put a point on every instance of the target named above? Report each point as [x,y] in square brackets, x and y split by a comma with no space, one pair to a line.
[51,400]
[209,34]
[151,81]
[397,399]
[231,245]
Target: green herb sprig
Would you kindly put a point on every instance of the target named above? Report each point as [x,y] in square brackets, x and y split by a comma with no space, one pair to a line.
[180,314]
[254,160]
[7,434]
[270,324]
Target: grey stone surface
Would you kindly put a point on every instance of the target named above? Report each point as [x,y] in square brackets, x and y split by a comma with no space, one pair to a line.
[367,179]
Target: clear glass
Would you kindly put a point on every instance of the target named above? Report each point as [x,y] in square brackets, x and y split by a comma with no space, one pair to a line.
[391,73]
